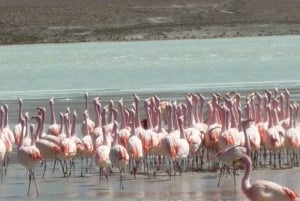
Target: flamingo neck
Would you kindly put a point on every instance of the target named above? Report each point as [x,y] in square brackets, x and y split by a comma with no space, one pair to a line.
[53,120]
[20,112]
[73,126]
[246,178]
[137,115]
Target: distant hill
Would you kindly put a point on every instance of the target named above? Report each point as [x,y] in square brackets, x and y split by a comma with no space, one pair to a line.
[51,21]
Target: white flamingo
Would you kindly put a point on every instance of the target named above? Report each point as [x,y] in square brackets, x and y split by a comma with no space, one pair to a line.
[18,127]
[118,155]
[29,157]
[87,125]
[54,128]
[135,147]
[101,157]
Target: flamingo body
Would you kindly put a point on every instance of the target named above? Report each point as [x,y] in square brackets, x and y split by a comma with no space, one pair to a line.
[262,190]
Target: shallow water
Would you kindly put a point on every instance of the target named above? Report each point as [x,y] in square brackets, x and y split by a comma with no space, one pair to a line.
[169,69]
[190,186]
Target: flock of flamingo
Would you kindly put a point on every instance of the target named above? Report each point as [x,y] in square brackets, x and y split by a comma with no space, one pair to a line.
[173,137]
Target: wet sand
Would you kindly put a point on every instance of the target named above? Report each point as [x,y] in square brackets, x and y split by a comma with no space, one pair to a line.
[191,186]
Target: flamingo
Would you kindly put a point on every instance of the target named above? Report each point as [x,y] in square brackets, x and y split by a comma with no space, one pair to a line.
[27,138]
[182,145]
[87,125]
[292,137]
[118,155]
[7,134]
[88,142]
[29,157]
[42,134]
[124,131]
[230,155]
[211,137]
[263,190]
[139,130]
[18,127]
[150,140]
[135,147]
[161,133]
[97,133]
[68,146]
[76,139]
[253,131]
[48,149]
[54,128]
[193,131]
[101,157]
[3,152]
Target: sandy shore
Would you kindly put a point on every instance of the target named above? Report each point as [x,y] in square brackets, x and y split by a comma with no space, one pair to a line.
[32,21]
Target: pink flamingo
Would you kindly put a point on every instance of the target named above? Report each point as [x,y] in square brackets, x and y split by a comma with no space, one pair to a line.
[18,127]
[182,146]
[77,141]
[273,142]
[88,142]
[75,138]
[230,155]
[135,147]
[68,146]
[150,139]
[292,137]
[90,124]
[48,149]
[263,190]
[192,131]
[118,155]
[161,134]
[42,134]
[54,128]
[29,157]
[101,156]
[124,131]
[139,130]
[97,133]
[198,114]
[253,129]
[211,137]
[279,128]
[8,136]
[27,138]
[3,148]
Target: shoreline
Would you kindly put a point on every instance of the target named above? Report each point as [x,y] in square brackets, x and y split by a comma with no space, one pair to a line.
[209,32]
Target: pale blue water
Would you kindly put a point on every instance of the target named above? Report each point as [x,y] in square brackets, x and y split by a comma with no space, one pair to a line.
[149,66]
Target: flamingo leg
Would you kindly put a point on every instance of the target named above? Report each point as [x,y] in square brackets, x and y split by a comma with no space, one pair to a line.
[106,176]
[221,172]
[36,186]
[29,181]
[45,166]
[54,164]
[234,173]
[2,169]
[121,179]
[7,159]
[81,169]
[100,173]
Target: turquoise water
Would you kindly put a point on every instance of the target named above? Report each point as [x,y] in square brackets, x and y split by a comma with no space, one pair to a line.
[149,66]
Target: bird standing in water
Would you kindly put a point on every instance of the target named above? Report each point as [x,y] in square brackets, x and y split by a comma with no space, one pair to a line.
[263,190]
